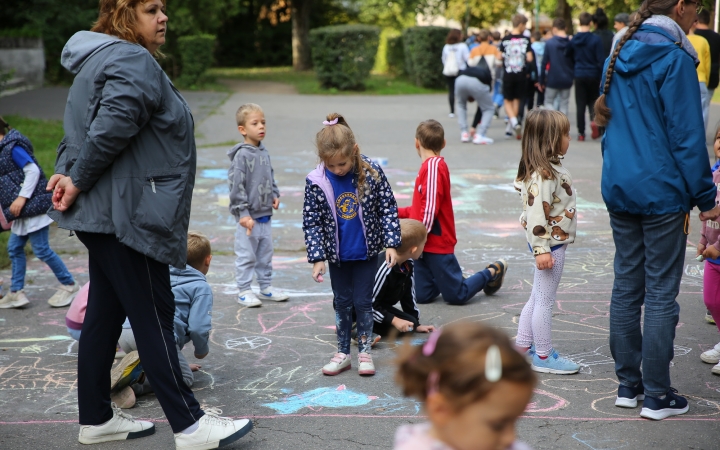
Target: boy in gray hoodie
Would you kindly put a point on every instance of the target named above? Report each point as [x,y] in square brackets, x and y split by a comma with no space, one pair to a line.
[253,195]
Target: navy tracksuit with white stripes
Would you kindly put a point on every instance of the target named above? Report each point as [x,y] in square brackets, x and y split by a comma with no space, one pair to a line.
[393,285]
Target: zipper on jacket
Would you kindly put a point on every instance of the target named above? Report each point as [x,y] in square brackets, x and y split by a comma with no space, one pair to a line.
[159,178]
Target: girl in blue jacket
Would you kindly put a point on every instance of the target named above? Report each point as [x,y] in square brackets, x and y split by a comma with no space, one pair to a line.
[349,215]
[655,170]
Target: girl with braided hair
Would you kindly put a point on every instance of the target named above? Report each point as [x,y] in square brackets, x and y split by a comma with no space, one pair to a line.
[655,170]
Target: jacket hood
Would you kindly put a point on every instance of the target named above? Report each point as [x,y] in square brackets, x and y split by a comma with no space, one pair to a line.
[233,151]
[635,56]
[81,46]
[186,275]
[583,38]
[561,42]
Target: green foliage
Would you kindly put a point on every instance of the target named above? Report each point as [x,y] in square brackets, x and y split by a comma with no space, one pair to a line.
[343,55]
[423,49]
[395,55]
[611,7]
[395,14]
[197,56]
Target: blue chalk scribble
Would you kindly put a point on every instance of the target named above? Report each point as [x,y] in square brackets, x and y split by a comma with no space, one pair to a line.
[326,397]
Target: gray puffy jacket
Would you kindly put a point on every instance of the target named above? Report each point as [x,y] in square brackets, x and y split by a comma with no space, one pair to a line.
[129,146]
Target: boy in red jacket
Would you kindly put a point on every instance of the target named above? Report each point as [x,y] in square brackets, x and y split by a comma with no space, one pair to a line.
[438,271]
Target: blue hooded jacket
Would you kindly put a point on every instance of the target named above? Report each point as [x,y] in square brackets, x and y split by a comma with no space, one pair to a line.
[560,75]
[193,308]
[654,155]
[586,51]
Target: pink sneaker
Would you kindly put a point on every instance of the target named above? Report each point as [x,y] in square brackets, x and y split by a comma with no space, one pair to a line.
[366,366]
[339,363]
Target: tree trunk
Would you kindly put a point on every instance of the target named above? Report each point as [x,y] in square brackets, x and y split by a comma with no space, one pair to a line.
[563,10]
[300,10]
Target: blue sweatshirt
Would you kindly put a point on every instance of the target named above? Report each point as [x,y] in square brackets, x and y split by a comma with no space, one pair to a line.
[560,75]
[586,51]
[193,308]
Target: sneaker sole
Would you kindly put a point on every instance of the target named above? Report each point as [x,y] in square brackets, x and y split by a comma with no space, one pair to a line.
[235,436]
[624,402]
[118,436]
[490,290]
[124,399]
[662,413]
[116,374]
[252,305]
[16,304]
[275,299]
[67,301]
[709,360]
[366,372]
[553,371]
[715,370]
[332,374]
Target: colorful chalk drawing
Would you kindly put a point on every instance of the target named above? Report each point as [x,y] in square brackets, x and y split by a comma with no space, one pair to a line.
[600,442]
[317,399]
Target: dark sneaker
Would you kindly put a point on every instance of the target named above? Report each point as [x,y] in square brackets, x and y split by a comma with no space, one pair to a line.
[581,138]
[659,409]
[127,372]
[495,284]
[595,130]
[627,397]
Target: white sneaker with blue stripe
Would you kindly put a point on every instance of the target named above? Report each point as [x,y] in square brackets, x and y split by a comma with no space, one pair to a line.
[248,299]
[270,293]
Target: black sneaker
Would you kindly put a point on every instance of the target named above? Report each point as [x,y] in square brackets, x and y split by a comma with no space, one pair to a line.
[495,284]
[627,397]
[659,409]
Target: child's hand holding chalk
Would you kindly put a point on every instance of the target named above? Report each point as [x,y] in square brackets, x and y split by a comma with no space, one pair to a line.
[318,271]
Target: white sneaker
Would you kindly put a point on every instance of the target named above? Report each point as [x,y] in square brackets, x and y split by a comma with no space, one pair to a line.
[213,431]
[248,299]
[122,426]
[365,364]
[482,140]
[464,137]
[711,356]
[451,115]
[273,294]
[339,363]
[14,300]
[716,369]
[64,295]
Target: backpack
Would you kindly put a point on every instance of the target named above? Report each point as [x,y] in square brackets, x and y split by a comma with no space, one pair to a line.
[451,68]
[481,71]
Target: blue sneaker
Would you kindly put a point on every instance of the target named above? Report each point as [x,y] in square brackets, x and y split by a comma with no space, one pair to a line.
[529,353]
[627,397]
[554,364]
[659,409]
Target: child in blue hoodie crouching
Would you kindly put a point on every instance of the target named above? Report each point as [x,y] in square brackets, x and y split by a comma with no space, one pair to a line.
[193,309]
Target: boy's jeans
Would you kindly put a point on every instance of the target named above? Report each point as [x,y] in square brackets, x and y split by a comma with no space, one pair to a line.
[254,255]
[649,260]
[557,100]
[41,248]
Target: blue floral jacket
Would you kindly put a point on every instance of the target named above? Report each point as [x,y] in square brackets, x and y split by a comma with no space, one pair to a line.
[378,211]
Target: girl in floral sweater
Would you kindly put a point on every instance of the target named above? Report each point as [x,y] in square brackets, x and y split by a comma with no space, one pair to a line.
[349,216]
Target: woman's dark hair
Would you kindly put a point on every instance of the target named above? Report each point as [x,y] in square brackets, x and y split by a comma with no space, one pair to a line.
[454,36]
[601,19]
[647,9]
[4,126]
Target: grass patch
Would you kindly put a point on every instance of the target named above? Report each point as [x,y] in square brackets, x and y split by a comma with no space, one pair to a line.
[306,83]
[45,136]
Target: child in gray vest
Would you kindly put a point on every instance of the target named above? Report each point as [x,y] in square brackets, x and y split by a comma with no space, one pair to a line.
[253,195]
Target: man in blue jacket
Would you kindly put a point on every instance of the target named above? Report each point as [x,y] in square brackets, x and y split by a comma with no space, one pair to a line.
[586,52]
[557,79]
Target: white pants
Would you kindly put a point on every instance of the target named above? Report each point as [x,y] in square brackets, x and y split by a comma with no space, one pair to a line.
[254,255]
[557,100]
[705,98]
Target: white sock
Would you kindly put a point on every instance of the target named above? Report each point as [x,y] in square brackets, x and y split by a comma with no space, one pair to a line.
[513,121]
[192,428]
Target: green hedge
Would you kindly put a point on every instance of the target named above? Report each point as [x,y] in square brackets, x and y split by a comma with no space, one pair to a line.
[396,55]
[343,55]
[196,53]
[423,50]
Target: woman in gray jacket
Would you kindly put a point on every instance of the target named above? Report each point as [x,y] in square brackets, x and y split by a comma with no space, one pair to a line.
[125,172]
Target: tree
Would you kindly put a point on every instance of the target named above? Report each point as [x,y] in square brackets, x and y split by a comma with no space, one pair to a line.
[483,13]
[300,10]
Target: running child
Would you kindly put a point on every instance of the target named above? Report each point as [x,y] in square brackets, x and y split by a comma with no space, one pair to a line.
[349,216]
[438,271]
[24,201]
[253,195]
[709,248]
[474,386]
[549,219]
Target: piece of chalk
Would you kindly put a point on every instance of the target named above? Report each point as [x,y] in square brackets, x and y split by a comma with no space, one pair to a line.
[248,231]
[410,328]
[700,258]
[320,278]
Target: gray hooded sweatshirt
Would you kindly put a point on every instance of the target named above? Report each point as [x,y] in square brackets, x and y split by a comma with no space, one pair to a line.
[252,182]
[129,147]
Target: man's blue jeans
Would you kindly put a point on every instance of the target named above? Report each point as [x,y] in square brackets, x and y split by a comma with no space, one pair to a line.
[39,240]
[649,260]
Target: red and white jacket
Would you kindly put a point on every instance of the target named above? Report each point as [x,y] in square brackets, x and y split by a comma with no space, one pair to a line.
[432,205]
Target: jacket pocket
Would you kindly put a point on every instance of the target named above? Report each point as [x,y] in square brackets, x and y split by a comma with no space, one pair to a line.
[160,203]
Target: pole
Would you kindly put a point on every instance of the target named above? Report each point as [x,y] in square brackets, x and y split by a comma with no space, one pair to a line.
[717,7]
[537,15]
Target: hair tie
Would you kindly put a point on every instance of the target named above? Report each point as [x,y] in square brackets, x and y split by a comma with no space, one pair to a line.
[429,347]
[330,122]
[493,364]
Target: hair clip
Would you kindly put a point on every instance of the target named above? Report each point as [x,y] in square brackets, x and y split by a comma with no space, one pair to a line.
[429,347]
[493,364]
[330,122]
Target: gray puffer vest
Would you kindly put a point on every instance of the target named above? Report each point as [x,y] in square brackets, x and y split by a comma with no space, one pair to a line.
[129,147]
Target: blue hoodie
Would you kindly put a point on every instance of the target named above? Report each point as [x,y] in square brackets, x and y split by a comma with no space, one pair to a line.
[587,52]
[560,75]
[654,155]
[193,308]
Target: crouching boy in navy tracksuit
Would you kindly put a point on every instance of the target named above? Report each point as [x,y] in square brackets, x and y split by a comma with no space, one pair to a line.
[438,271]
[193,309]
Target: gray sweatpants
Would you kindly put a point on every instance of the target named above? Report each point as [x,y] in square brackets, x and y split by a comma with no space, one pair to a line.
[557,100]
[466,87]
[127,343]
[254,255]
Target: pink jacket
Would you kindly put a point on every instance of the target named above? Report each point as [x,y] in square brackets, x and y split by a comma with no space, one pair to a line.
[710,234]
[76,314]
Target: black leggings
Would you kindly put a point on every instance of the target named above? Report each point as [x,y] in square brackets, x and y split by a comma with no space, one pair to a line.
[451,92]
[586,92]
